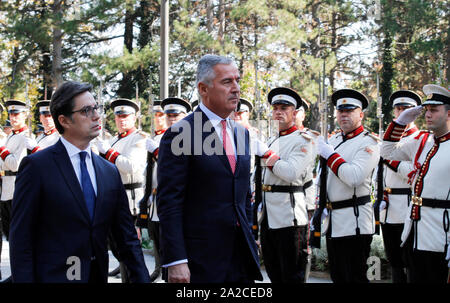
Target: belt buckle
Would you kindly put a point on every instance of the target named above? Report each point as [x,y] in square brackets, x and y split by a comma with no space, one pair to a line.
[388,190]
[266,187]
[328,206]
[417,200]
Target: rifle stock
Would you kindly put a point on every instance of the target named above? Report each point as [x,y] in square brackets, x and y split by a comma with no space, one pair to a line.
[143,217]
[317,217]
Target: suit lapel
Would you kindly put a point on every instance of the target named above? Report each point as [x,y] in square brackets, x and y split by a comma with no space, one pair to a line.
[67,171]
[209,130]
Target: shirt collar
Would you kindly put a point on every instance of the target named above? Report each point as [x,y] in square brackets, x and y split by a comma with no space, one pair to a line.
[353,134]
[72,150]
[215,119]
[443,138]
[292,129]
[15,132]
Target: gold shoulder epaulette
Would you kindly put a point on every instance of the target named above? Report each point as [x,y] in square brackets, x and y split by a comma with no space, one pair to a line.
[376,138]
[306,136]
[143,134]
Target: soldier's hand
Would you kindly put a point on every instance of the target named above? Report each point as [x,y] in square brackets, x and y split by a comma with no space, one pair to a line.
[151,145]
[325,149]
[258,147]
[409,115]
[102,146]
[179,273]
[31,143]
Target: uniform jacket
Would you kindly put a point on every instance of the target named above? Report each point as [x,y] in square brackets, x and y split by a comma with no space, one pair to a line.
[350,171]
[432,181]
[130,157]
[200,200]
[17,147]
[45,140]
[50,221]
[295,150]
[396,176]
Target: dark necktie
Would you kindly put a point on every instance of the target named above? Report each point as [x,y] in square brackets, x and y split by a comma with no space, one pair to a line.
[86,184]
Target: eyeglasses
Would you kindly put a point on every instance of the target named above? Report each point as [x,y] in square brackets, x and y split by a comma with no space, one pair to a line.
[88,111]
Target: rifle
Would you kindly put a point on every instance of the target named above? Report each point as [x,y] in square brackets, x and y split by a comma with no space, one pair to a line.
[28,102]
[139,104]
[258,196]
[380,185]
[102,115]
[143,217]
[315,235]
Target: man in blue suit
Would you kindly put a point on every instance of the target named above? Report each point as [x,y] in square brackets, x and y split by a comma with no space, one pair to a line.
[204,193]
[66,201]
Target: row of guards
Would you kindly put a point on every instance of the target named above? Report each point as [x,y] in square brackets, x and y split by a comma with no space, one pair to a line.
[293,209]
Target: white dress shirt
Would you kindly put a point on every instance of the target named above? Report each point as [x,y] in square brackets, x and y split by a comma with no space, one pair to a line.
[74,156]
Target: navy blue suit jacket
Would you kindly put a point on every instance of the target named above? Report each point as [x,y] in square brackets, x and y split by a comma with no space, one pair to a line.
[50,221]
[200,200]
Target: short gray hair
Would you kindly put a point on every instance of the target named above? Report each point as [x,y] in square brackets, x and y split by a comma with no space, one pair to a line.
[205,71]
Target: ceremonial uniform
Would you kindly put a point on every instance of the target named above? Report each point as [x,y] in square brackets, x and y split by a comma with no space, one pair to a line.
[397,192]
[11,154]
[50,137]
[427,219]
[350,224]
[284,224]
[127,152]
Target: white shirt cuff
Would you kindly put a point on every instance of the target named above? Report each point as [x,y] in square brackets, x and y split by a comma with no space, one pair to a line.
[175,263]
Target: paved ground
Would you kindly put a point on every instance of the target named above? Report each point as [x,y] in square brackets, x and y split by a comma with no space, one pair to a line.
[149,261]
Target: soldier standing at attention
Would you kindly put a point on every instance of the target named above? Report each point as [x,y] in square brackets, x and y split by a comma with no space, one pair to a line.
[397,192]
[427,222]
[11,154]
[284,227]
[352,156]
[127,151]
[50,135]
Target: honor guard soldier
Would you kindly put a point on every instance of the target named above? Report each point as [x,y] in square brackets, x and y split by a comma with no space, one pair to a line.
[427,221]
[397,192]
[352,155]
[11,154]
[285,160]
[127,151]
[174,109]
[310,190]
[50,135]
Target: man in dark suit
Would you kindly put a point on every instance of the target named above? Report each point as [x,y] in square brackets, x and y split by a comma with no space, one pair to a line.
[66,201]
[204,194]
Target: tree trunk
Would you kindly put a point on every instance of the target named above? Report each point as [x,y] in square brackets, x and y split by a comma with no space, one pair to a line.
[221,21]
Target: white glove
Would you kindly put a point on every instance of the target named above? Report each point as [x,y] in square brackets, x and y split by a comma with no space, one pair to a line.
[382,205]
[448,255]
[259,148]
[151,145]
[31,143]
[325,149]
[409,115]
[102,146]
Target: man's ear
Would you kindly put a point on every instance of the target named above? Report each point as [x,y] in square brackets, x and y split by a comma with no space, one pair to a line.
[64,121]
[202,88]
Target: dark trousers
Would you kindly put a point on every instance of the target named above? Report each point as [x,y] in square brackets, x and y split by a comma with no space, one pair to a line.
[153,230]
[284,253]
[240,270]
[347,257]
[5,213]
[425,266]
[396,255]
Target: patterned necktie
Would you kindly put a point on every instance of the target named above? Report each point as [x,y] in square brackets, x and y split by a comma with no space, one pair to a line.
[86,184]
[229,150]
